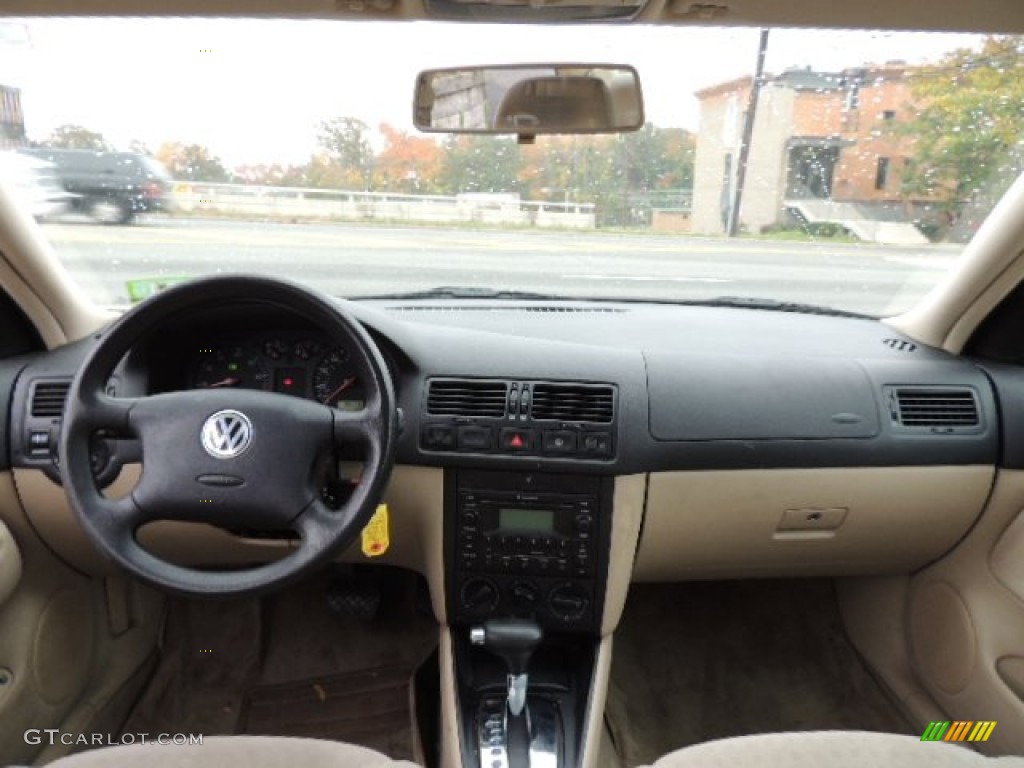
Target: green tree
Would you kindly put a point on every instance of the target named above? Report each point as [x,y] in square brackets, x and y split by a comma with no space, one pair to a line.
[347,157]
[191,162]
[76,137]
[969,124]
[478,163]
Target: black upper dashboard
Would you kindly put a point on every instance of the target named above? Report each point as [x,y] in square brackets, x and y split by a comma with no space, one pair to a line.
[587,386]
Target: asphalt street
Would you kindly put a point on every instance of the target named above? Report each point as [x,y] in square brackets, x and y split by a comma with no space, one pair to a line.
[362,259]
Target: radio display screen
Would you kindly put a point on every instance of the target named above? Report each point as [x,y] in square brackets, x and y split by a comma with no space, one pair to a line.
[526,520]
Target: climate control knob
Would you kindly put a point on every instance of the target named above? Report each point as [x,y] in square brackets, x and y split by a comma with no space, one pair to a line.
[568,602]
[479,596]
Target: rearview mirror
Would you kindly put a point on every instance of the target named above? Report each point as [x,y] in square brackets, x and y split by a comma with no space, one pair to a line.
[529,99]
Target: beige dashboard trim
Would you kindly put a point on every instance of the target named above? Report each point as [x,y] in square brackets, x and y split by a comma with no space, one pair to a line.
[627,517]
[451,753]
[739,523]
[594,728]
[415,497]
[10,563]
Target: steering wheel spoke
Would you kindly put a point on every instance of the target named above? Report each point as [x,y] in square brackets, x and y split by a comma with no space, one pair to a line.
[122,517]
[111,415]
[356,426]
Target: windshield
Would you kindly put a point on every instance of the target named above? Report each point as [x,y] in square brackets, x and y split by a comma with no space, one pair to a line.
[838,169]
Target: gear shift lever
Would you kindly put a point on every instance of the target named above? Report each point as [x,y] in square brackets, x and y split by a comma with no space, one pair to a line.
[513,641]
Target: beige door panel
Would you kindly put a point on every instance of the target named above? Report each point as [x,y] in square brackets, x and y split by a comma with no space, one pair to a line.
[69,642]
[966,621]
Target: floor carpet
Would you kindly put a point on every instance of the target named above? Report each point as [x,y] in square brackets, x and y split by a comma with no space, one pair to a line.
[700,661]
[289,665]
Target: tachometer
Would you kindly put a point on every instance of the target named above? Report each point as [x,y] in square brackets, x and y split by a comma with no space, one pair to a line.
[335,381]
[231,367]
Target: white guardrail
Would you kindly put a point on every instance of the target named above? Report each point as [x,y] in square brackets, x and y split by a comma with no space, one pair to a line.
[329,204]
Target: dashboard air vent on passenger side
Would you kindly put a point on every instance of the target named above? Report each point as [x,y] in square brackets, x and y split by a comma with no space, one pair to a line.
[934,407]
[467,397]
[48,398]
[590,403]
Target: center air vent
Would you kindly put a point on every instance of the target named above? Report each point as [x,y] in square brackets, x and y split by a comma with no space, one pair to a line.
[48,398]
[467,397]
[932,407]
[594,404]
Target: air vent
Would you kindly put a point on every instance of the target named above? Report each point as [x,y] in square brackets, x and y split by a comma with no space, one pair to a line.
[594,404]
[901,345]
[48,398]
[934,407]
[467,397]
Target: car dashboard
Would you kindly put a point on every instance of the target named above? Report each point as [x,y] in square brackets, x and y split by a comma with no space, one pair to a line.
[551,452]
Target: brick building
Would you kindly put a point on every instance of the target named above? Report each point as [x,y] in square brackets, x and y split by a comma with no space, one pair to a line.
[822,149]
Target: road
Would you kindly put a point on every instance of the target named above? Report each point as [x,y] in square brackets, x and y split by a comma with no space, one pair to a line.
[354,259]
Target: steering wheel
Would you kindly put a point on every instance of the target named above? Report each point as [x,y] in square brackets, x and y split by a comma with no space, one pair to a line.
[232,458]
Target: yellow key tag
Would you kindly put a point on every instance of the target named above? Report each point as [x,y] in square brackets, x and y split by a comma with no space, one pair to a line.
[375,534]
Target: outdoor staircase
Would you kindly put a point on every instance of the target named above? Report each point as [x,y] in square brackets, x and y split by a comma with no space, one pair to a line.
[850,216]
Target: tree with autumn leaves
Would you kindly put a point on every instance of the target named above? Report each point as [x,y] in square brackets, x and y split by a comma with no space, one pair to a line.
[616,172]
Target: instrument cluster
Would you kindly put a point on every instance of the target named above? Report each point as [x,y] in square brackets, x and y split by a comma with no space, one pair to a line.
[292,363]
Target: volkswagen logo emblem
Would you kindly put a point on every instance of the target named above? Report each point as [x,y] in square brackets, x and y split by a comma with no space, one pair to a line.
[226,434]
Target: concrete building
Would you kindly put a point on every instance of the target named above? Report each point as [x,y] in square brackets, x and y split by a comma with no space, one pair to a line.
[822,149]
[12,120]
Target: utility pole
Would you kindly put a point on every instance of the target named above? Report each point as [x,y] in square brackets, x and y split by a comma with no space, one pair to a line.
[733,222]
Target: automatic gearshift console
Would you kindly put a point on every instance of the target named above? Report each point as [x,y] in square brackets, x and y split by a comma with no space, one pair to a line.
[515,732]
[513,641]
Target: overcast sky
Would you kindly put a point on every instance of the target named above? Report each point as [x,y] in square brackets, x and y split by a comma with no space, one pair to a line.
[253,91]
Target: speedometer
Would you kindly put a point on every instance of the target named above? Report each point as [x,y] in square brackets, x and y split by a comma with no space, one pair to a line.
[231,367]
[335,381]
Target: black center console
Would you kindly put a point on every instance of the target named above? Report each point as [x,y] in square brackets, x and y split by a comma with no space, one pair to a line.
[533,547]
[529,545]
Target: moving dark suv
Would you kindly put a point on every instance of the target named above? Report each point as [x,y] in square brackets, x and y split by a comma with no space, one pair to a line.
[110,186]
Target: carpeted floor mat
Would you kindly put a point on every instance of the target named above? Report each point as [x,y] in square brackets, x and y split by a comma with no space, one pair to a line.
[369,707]
[289,665]
[701,661]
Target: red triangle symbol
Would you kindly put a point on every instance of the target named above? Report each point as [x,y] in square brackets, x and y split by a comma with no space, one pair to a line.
[517,441]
